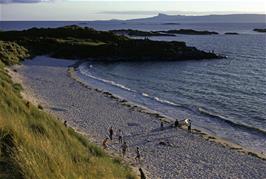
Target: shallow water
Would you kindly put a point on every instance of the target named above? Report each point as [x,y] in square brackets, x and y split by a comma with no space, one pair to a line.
[225,97]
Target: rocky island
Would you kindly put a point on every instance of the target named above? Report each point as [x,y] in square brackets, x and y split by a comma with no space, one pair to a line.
[74,42]
[191,32]
[170,23]
[131,32]
[260,30]
[231,33]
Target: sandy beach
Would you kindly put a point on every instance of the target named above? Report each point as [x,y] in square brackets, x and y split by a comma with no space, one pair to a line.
[168,153]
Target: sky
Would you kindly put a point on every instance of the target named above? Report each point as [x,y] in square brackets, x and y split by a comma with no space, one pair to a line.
[126,9]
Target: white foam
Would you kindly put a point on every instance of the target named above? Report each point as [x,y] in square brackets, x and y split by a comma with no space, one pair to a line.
[85,72]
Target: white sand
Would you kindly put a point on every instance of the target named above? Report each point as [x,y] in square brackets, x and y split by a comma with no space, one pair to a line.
[186,155]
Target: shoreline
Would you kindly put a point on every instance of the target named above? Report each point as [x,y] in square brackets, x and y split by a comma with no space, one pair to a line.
[167,119]
[133,110]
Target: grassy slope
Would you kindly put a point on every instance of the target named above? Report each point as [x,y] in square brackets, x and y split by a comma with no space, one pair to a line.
[35,145]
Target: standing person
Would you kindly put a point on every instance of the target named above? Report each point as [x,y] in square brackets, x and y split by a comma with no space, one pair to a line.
[111,132]
[188,123]
[176,123]
[189,126]
[105,143]
[142,175]
[137,158]
[161,125]
[124,148]
[120,134]
[65,123]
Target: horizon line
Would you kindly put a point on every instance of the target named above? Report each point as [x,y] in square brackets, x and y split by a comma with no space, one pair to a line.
[158,13]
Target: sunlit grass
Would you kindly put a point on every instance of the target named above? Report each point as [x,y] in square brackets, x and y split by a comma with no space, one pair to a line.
[79,42]
[34,144]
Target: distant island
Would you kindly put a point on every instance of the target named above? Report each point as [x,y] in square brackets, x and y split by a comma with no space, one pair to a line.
[74,42]
[227,18]
[131,32]
[231,33]
[191,32]
[260,30]
[170,23]
[140,33]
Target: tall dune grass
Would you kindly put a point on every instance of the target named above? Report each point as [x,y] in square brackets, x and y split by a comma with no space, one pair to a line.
[33,144]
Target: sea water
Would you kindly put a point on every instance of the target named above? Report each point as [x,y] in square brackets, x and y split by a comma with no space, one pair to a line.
[224,97]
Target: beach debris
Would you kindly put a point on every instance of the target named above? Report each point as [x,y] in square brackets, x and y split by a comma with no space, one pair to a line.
[162,143]
[147,140]
[123,101]
[165,143]
[131,124]
[98,90]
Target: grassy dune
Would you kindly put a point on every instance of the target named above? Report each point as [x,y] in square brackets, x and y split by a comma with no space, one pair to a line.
[34,144]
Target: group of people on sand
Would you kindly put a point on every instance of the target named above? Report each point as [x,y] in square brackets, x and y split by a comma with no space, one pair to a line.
[186,122]
[124,145]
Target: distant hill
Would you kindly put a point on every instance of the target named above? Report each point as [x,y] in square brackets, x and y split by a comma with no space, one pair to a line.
[231,18]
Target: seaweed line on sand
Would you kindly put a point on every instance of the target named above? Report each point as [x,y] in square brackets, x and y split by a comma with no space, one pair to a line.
[71,72]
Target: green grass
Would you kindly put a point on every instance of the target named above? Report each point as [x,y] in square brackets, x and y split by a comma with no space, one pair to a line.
[33,144]
[74,41]
[11,53]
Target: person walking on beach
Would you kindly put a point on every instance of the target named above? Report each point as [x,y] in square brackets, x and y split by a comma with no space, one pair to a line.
[137,158]
[111,132]
[105,143]
[120,134]
[124,148]
[176,123]
[188,123]
[65,123]
[189,126]
[161,125]
[142,175]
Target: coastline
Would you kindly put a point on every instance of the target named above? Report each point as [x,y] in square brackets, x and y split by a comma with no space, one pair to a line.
[167,119]
[142,111]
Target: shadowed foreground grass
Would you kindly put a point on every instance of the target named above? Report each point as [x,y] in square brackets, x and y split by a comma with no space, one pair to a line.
[33,144]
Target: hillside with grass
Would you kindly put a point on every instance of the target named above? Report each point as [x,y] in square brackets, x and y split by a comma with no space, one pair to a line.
[33,144]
